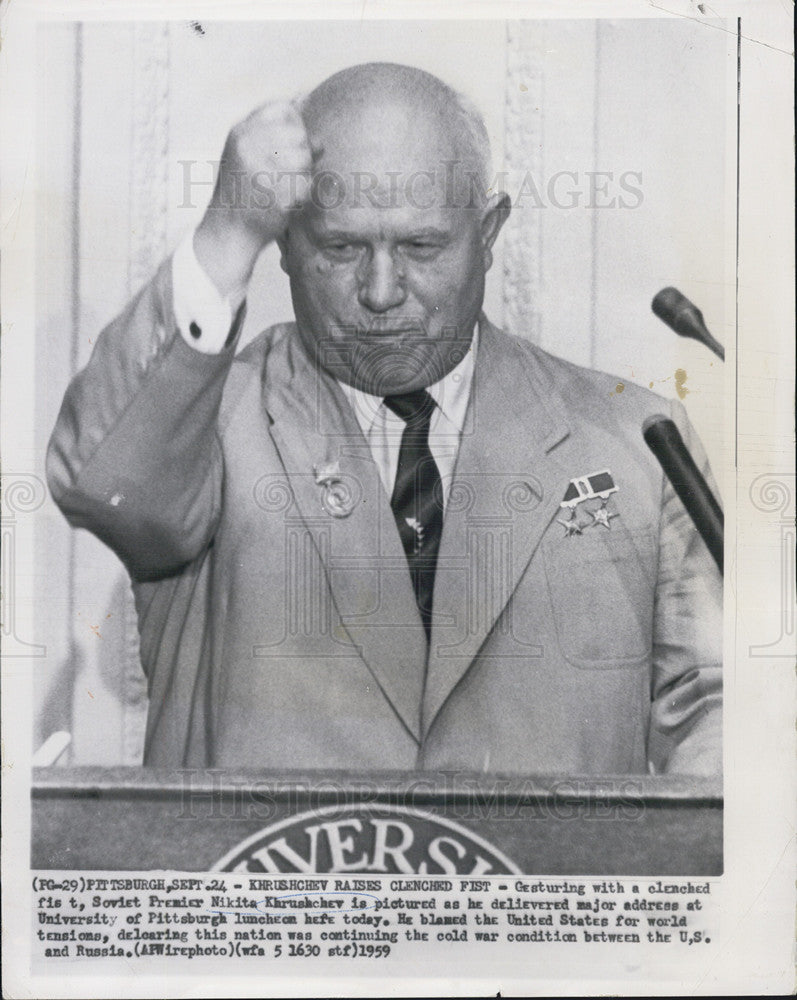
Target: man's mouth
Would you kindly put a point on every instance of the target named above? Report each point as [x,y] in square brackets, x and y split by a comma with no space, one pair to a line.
[391,333]
[383,330]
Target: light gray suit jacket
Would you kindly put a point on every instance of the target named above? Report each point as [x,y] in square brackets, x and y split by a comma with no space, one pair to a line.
[276,635]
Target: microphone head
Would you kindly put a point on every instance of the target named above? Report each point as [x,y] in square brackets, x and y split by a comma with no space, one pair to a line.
[665,303]
[683,316]
[651,421]
[675,309]
[661,433]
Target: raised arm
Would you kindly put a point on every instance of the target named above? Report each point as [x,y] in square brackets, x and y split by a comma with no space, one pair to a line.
[134,455]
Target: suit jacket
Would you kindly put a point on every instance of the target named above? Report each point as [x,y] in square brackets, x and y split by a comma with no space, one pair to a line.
[274,634]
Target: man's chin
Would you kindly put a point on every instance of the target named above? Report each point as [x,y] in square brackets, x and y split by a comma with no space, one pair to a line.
[388,369]
[392,361]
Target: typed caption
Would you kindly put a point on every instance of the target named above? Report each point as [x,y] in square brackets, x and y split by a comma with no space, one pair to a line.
[99,917]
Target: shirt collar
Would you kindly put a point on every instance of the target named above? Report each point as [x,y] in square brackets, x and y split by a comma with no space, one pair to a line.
[451,393]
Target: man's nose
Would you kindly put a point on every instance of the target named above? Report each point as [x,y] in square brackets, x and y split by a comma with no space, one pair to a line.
[381,283]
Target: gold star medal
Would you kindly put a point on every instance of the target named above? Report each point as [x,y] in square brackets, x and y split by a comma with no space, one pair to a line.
[572,525]
[602,516]
[602,486]
[595,486]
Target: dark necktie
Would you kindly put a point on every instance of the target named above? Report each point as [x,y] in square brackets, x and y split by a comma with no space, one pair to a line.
[417,499]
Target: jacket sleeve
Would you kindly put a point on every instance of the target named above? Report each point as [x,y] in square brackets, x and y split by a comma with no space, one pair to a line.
[134,456]
[685,734]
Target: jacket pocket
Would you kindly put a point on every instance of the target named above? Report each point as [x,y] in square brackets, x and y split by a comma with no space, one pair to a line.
[601,586]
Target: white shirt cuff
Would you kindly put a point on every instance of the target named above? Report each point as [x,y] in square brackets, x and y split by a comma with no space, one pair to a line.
[204,316]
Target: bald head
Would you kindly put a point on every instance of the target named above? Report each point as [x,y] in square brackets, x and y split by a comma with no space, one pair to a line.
[375,116]
[387,257]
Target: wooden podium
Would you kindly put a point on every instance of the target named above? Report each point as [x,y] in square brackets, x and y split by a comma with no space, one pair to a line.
[429,823]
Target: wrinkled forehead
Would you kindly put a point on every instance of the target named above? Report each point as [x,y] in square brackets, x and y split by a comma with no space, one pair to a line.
[382,137]
[388,153]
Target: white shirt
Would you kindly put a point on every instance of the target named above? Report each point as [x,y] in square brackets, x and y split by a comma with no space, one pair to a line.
[204,318]
[383,428]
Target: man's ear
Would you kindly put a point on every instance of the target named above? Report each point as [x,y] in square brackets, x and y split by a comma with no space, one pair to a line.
[495,214]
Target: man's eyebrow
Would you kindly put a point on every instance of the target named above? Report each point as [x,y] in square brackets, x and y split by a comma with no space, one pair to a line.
[338,234]
[427,232]
[424,232]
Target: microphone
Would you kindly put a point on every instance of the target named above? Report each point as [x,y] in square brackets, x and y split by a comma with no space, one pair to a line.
[685,318]
[665,441]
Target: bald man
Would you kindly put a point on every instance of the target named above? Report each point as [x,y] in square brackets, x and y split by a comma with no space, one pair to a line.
[387,534]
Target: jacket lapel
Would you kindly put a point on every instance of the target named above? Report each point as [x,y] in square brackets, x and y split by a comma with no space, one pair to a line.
[507,487]
[313,425]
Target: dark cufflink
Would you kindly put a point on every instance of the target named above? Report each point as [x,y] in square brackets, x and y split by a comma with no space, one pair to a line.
[195,330]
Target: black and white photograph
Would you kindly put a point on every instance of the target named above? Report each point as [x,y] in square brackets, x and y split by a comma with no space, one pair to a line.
[373,496]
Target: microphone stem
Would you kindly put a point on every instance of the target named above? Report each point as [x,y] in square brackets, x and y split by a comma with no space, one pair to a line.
[664,440]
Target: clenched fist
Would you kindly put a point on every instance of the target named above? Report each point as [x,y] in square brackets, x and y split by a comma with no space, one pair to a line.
[263,174]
